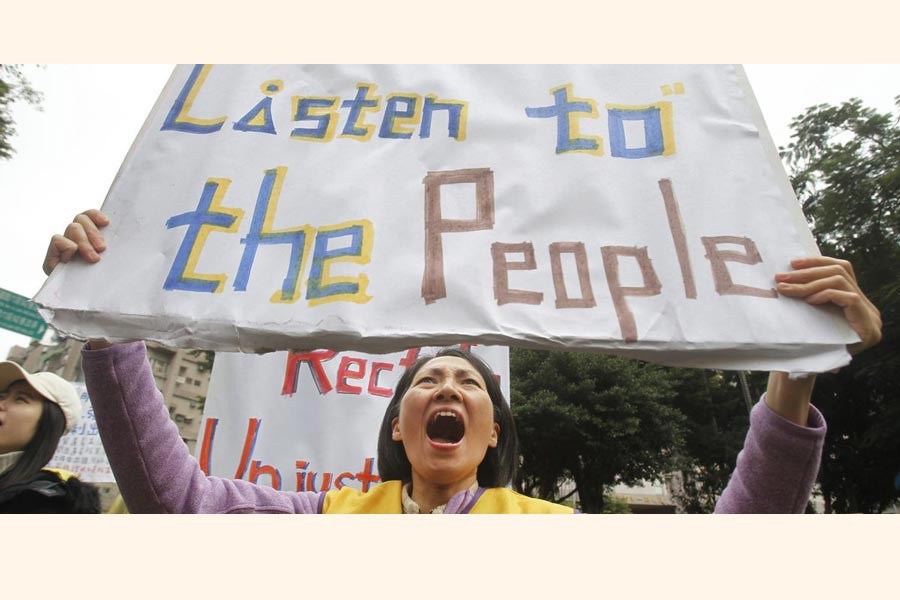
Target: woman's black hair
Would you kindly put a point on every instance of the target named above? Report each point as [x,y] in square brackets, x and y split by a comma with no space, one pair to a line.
[38,451]
[499,465]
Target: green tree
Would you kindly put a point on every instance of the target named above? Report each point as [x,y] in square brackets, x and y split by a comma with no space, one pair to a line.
[593,419]
[845,168]
[716,423]
[14,86]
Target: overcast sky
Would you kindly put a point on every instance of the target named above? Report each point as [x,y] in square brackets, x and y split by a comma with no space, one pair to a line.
[68,154]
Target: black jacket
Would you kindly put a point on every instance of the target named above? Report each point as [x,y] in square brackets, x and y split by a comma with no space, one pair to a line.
[47,492]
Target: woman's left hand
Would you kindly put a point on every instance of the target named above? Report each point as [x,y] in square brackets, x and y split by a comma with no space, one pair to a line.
[820,280]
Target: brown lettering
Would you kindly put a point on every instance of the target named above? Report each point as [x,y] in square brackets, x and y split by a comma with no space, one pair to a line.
[651,286]
[433,285]
[502,267]
[679,239]
[577,250]
[722,278]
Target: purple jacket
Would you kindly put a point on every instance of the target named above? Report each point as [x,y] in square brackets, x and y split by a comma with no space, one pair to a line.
[156,473]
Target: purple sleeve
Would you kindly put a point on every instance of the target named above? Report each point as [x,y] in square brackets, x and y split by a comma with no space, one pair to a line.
[778,466]
[153,468]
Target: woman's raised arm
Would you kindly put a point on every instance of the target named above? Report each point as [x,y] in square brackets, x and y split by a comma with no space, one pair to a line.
[151,463]
[777,468]
[821,280]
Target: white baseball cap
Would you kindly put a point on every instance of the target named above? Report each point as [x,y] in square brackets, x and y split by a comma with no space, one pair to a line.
[49,385]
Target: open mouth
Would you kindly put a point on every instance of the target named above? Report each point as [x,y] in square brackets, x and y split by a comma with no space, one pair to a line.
[445,427]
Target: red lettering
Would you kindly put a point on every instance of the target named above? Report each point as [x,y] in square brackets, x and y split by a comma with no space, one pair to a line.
[301,465]
[257,469]
[411,356]
[350,368]
[306,480]
[366,477]
[311,482]
[373,389]
[315,360]
[339,481]
[249,443]
[208,434]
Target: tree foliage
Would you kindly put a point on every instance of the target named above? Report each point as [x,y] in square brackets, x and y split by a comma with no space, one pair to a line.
[595,420]
[14,87]
[716,422]
[845,168]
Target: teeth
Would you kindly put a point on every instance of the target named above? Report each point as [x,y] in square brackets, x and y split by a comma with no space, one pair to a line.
[446,427]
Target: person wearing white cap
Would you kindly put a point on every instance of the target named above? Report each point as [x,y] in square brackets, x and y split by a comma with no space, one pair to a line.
[36,409]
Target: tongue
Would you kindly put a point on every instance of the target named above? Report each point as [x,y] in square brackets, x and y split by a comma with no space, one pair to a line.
[443,440]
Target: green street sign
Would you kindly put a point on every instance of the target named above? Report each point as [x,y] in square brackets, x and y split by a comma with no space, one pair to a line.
[19,314]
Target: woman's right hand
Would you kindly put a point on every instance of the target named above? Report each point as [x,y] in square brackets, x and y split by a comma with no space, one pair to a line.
[82,237]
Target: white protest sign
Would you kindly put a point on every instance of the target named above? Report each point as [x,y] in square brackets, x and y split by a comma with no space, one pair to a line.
[81,451]
[640,210]
[305,421]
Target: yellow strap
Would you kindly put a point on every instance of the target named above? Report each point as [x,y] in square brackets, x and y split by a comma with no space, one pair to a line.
[62,473]
[118,507]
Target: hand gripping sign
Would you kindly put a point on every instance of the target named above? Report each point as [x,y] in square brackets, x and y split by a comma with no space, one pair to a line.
[640,210]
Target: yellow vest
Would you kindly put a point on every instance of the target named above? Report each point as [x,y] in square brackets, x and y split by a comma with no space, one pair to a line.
[384,498]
